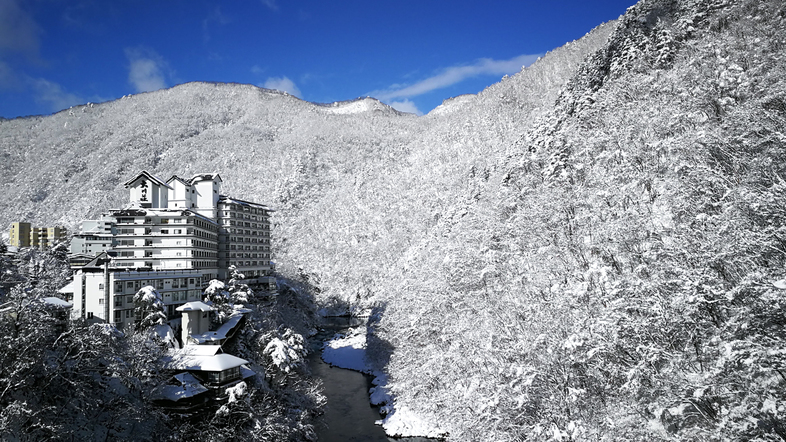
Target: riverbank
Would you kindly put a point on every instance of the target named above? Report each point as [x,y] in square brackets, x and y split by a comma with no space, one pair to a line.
[348,350]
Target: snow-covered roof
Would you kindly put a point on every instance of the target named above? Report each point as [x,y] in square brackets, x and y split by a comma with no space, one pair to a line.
[218,362]
[68,288]
[201,350]
[57,302]
[177,178]
[205,177]
[194,306]
[151,177]
[229,199]
[222,332]
[189,387]
[221,362]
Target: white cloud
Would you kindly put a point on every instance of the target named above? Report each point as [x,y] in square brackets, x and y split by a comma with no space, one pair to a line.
[270,4]
[282,84]
[457,74]
[53,94]
[405,106]
[145,70]
[18,31]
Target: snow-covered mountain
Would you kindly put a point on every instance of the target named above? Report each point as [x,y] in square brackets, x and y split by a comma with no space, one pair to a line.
[585,249]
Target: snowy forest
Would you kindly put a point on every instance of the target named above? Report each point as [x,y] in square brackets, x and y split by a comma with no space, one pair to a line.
[70,380]
[593,248]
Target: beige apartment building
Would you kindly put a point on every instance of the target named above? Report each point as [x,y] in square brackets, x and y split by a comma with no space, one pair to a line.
[21,234]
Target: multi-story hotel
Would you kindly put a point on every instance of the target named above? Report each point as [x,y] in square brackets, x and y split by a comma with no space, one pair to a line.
[175,235]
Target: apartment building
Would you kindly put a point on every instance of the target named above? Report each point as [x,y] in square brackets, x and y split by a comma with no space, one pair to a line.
[166,240]
[21,234]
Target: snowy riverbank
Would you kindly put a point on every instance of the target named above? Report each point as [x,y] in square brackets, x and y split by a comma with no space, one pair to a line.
[349,351]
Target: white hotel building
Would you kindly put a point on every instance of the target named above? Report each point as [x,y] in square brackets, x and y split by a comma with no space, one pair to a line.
[175,235]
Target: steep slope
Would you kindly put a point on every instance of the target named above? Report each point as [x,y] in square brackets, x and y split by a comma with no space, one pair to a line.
[621,277]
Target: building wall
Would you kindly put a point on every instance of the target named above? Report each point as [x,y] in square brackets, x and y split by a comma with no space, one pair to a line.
[90,244]
[94,237]
[244,238]
[148,193]
[19,234]
[176,288]
[180,195]
[43,236]
[167,240]
[207,192]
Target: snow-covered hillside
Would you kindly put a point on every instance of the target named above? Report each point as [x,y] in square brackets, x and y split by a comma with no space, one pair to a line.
[586,249]
[361,105]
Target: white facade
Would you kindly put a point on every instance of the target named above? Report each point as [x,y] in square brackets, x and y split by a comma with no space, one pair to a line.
[207,188]
[148,191]
[180,193]
[94,237]
[166,240]
[91,281]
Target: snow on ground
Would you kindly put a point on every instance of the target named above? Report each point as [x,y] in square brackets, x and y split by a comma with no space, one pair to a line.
[349,351]
[402,422]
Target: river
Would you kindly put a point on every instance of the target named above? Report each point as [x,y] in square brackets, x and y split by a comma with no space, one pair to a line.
[349,416]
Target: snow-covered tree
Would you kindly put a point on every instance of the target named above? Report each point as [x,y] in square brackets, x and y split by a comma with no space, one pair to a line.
[239,292]
[284,351]
[149,308]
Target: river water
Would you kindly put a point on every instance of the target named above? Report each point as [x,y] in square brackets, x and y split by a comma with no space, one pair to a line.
[349,416]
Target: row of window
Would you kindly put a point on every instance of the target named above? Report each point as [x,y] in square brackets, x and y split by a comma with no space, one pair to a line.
[247,263]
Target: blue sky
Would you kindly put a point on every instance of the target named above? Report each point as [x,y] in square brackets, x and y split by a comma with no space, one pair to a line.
[410,54]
